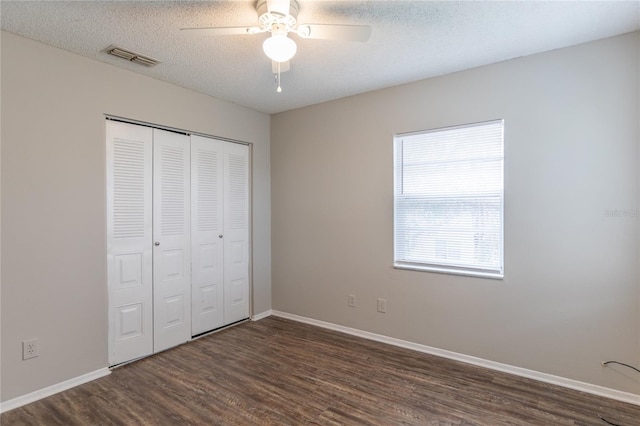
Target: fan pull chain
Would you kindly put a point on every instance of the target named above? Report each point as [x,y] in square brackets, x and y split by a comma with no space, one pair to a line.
[279,89]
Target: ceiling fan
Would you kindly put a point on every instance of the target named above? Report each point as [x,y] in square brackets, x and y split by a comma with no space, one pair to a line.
[279,18]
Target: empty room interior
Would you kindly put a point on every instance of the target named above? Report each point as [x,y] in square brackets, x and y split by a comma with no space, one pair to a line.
[320,212]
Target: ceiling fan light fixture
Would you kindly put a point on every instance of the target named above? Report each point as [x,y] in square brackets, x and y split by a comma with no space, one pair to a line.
[279,48]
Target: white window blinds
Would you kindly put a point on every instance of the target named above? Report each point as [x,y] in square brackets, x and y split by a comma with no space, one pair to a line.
[448,196]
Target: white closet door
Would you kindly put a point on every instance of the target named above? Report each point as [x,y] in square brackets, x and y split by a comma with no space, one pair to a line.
[171,251]
[236,232]
[207,233]
[129,237]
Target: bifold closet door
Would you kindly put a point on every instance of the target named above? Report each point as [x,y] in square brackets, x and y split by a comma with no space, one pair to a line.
[236,232]
[148,245]
[207,234]
[220,233]
[171,239]
[129,241]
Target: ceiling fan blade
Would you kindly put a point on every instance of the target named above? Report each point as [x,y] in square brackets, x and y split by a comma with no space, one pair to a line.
[280,7]
[335,32]
[222,30]
[284,66]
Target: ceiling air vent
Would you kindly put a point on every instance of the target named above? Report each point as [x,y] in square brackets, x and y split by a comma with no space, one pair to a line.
[131,56]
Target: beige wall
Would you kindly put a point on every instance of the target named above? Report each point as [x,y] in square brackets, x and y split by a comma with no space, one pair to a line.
[570,297]
[53,200]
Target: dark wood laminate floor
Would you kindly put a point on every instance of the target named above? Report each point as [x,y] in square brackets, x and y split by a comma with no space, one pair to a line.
[277,371]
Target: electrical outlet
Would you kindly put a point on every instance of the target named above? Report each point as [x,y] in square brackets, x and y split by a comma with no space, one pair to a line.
[352,300]
[30,349]
[382,305]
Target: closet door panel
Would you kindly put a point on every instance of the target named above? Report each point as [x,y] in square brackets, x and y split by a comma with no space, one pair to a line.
[236,232]
[207,234]
[171,236]
[129,236]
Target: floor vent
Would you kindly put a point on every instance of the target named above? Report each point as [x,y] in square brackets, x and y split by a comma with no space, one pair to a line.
[131,56]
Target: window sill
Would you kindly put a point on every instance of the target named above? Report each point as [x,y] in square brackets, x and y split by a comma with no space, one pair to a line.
[449,271]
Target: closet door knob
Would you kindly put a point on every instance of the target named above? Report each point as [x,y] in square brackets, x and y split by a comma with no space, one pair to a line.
[157,243]
[220,236]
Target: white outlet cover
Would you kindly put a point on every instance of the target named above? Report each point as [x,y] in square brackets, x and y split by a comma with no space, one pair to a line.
[30,349]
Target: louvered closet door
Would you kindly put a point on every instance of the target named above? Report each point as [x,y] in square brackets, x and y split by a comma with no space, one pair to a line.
[207,234]
[236,232]
[129,238]
[171,251]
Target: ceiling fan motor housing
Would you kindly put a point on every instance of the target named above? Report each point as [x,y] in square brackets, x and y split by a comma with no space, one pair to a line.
[268,19]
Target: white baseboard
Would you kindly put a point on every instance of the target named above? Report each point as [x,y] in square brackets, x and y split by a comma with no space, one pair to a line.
[261,315]
[53,389]
[518,371]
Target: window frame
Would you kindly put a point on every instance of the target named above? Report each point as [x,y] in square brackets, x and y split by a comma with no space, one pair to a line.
[446,267]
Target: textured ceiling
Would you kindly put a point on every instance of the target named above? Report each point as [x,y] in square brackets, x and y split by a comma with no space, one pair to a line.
[411,40]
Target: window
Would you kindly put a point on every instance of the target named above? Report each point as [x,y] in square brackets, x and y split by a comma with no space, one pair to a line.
[448,200]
